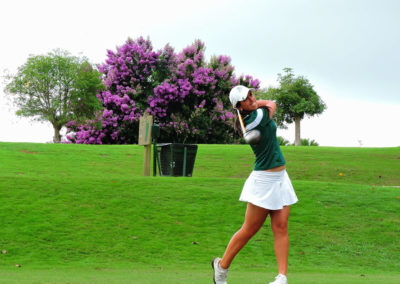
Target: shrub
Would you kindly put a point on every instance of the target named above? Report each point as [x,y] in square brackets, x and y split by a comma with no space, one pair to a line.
[307,142]
[282,141]
[187,96]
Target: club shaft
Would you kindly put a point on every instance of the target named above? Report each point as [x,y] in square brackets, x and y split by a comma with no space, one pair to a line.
[241,122]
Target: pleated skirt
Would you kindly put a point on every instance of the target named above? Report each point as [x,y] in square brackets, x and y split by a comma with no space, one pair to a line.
[269,190]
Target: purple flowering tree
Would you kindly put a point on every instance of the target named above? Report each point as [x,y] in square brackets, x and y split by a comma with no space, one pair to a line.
[187,96]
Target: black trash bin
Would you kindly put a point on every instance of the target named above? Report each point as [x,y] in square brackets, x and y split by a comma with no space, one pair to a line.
[176,159]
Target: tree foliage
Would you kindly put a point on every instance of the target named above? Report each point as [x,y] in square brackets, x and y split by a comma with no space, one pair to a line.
[282,141]
[308,142]
[295,98]
[187,95]
[56,87]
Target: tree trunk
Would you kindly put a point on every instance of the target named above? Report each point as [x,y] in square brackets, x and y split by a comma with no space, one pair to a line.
[297,131]
[57,135]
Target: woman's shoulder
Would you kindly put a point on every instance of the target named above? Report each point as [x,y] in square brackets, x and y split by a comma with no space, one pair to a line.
[254,118]
[259,113]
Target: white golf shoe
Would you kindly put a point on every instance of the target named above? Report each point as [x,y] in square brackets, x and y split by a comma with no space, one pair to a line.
[280,279]
[220,274]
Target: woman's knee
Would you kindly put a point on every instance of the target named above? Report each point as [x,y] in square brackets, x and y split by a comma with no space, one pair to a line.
[279,221]
[250,230]
[280,228]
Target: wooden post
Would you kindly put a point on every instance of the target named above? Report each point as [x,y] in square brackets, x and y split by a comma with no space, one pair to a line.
[146,160]
[145,123]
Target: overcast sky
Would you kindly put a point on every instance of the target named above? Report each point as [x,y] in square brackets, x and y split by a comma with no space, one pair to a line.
[349,51]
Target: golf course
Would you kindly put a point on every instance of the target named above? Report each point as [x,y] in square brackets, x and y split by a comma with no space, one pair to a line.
[74,213]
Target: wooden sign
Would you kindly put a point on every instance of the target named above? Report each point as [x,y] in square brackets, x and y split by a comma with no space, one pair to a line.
[145,124]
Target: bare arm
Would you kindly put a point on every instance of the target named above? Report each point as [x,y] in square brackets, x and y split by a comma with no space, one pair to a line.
[270,104]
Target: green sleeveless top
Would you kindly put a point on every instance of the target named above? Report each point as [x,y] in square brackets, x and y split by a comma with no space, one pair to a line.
[268,152]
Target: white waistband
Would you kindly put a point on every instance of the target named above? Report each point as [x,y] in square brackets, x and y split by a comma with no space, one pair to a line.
[261,174]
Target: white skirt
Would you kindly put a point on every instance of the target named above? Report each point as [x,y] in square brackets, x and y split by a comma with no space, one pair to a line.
[270,190]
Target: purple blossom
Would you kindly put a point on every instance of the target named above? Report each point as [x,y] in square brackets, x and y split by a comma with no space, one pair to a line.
[187,95]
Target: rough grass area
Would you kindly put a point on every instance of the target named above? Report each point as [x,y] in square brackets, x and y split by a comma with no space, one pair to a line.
[87,209]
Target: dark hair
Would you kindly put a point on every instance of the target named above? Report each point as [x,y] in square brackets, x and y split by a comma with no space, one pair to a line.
[236,125]
[236,122]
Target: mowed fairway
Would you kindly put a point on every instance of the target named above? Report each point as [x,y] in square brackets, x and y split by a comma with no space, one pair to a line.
[85,214]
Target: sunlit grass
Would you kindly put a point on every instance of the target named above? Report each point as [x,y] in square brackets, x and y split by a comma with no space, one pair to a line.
[67,207]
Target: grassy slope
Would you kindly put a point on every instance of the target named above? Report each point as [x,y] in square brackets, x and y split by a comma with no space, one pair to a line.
[374,166]
[78,205]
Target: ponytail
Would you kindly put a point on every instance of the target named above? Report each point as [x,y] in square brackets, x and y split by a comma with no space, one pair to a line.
[236,125]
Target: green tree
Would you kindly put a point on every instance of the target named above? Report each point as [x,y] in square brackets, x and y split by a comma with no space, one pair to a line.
[295,98]
[56,87]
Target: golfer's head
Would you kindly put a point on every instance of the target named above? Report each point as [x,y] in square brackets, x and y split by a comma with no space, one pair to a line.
[242,98]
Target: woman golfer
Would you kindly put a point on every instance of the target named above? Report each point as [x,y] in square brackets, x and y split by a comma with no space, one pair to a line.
[267,191]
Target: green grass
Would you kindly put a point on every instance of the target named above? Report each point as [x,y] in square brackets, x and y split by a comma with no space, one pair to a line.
[373,166]
[172,275]
[85,214]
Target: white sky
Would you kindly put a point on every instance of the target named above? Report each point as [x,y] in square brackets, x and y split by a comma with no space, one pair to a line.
[349,51]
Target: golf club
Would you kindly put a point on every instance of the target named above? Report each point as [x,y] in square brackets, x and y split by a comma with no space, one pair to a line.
[251,137]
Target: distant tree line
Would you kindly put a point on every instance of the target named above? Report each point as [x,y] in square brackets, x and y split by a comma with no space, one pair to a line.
[186,94]
[303,142]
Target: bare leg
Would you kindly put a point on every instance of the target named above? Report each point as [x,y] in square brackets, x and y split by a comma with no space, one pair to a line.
[279,225]
[254,219]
